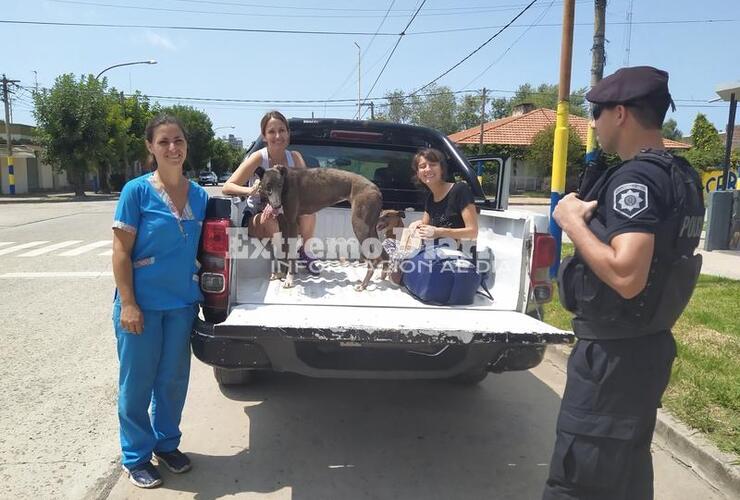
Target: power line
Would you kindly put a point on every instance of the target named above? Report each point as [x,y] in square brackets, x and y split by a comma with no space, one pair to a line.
[470,11]
[400,36]
[497,60]
[345,102]
[194,28]
[347,33]
[300,7]
[349,75]
[557,25]
[479,47]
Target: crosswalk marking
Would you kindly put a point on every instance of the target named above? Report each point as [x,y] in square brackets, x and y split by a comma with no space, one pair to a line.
[78,274]
[22,246]
[84,248]
[6,243]
[107,252]
[50,248]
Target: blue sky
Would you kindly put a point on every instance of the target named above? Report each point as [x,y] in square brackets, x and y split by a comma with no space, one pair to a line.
[217,64]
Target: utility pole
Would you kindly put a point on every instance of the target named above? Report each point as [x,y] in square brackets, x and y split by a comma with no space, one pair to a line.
[597,67]
[370,105]
[125,144]
[482,120]
[359,88]
[560,148]
[480,139]
[6,100]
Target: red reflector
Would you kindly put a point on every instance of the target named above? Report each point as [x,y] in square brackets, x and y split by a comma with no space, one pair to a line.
[543,254]
[356,135]
[215,236]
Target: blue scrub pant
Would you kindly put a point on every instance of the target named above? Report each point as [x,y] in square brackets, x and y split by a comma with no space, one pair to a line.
[154,368]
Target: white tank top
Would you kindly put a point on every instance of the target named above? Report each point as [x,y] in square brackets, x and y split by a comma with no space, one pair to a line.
[254,202]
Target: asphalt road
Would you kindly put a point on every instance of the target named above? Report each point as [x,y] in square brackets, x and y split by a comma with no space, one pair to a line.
[286,437]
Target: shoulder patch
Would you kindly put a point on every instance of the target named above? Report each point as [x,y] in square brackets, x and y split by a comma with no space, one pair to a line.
[630,199]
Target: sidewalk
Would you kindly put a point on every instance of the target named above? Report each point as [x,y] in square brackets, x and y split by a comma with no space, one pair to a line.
[55,197]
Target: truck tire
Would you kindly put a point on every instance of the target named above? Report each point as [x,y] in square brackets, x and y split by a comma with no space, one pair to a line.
[232,377]
[470,377]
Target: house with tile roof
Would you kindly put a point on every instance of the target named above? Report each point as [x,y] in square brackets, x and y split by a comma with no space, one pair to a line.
[520,129]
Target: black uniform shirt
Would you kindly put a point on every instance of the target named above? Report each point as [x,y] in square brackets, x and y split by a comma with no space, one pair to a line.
[637,199]
[447,212]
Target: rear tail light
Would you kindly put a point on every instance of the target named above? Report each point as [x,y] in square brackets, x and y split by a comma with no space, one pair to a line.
[543,255]
[216,236]
[215,268]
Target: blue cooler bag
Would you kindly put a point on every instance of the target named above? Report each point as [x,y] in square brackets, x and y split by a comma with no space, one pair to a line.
[442,276]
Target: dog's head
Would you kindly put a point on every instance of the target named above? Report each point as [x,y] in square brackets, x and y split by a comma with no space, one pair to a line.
[390,219]
[273,184]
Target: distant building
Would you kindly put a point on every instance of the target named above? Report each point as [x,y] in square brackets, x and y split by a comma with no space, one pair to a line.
[31,173]
[235,141]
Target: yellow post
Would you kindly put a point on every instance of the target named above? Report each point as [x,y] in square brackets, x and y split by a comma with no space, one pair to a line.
[560,147]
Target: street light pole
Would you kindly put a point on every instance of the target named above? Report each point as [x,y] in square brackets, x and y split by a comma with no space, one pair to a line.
[359,88]
[150,61]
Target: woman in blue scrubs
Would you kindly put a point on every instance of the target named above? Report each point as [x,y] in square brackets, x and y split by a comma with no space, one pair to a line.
[156,230]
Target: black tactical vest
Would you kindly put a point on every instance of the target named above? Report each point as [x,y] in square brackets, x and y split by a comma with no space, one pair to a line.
[601,313]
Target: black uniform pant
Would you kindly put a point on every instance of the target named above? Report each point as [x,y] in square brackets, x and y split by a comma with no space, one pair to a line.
[607,418]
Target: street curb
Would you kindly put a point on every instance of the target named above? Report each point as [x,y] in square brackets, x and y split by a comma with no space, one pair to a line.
[690,447]
[7,200]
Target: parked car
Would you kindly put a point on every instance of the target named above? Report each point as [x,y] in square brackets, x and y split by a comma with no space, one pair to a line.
[330,330]
[224,177]
[207,177]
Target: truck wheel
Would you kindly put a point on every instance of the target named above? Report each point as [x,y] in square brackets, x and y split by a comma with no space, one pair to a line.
[232,377]
[471,377]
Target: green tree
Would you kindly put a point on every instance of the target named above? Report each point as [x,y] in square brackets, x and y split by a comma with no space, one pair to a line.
[436,109]
[546,96]
[225,157]
[396,109]
[671,130]
[72,125]
[199,132]
[138,112]
[707,152]
[468,112]
[540,152]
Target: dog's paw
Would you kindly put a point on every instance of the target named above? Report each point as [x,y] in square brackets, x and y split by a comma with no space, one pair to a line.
[360,287]
[288,283]
[277,276]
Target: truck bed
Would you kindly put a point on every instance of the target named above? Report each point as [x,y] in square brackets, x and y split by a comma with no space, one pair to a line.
[327,306]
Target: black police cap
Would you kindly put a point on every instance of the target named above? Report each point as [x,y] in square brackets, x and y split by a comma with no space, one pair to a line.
[631,84]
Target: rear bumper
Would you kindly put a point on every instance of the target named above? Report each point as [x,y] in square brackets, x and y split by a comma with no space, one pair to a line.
[392,355]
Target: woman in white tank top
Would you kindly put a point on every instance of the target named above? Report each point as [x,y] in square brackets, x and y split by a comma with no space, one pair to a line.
[245,181]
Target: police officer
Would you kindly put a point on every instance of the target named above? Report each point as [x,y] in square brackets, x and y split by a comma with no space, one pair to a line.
[635,230]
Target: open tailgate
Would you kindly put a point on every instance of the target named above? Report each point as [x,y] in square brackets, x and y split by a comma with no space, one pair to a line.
[427,325]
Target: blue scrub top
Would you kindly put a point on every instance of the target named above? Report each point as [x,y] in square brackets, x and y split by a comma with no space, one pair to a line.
[165,265]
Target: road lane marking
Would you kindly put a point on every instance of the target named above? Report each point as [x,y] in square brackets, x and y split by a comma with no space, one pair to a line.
[22,246]
[6,243]
[84,248]
[78,274]
[50,248]
[107,252]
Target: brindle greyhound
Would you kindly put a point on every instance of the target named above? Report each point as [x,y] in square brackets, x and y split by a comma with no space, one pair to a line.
[300,191]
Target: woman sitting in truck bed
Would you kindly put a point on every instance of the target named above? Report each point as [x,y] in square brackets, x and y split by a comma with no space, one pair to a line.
[449,211]
[260,217]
